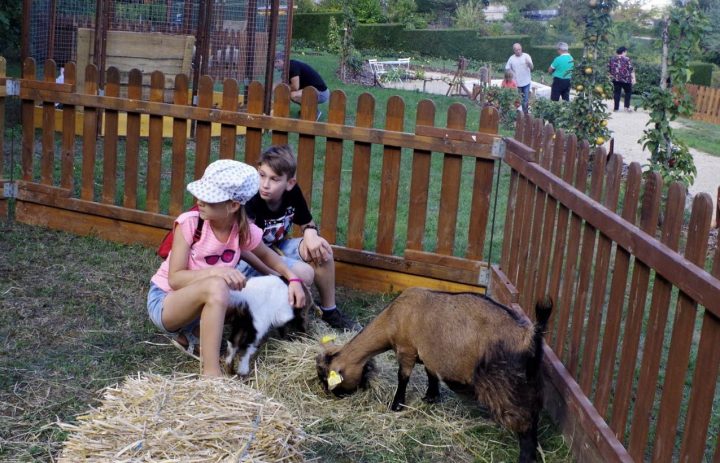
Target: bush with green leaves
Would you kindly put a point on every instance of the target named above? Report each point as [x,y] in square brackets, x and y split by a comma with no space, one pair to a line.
[506,101]
[470,15]
[588,112]
[669,156]
[647,76]
[403,12]
[556,113]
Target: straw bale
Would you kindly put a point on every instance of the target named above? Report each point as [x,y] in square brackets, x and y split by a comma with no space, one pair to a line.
[184,418]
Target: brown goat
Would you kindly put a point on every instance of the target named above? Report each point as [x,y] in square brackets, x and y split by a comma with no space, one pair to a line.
[466,340]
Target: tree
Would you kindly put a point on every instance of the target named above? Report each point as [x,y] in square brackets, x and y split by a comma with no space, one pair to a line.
[682,31]
[10,21]
[711,37]
[469,15]
[588,114]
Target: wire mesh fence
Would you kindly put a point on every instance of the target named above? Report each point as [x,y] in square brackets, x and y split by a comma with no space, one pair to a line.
[221,38]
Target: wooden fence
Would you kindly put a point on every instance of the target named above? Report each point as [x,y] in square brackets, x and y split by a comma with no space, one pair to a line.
[118,190]
[632,310]
[707,103]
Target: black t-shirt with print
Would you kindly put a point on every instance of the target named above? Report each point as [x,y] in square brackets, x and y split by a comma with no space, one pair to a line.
[276,224]
[308,75]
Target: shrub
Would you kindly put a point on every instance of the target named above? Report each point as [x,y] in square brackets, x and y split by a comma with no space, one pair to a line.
[402,12]
[701,73]
[647,76]
[313,27]
[469,15]
[506,101]
[553,112]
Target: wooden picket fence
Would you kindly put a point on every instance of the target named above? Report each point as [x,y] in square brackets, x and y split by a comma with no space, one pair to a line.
[707,103]
[50,192]
[630,307]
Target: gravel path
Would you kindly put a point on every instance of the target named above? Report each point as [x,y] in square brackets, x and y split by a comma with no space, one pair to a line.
[628,128]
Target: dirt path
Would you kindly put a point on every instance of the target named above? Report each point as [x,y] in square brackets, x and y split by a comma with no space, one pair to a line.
[628,128]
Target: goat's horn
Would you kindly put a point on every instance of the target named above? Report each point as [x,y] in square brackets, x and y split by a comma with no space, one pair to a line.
[334,379]
[327,338]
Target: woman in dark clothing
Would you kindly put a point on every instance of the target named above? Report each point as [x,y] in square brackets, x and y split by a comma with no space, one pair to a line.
[622,74]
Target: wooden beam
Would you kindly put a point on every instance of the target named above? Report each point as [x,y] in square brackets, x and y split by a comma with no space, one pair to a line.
[500,288]
[480,149]
[398,264]
[592,439]
[688,277]
[384,281]
[58,198]
[88,225]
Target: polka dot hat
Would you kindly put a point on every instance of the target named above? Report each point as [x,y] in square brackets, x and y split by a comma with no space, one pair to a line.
[226,179]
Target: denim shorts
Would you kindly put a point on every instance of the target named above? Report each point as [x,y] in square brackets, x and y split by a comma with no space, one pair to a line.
[289,252]
[323,96]
[155,301]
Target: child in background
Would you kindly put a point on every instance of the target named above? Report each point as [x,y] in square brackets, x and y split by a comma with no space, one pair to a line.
[275,208]
[195,279]
[509,81]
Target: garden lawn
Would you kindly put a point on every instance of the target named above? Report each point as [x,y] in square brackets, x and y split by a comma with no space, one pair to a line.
[703,136]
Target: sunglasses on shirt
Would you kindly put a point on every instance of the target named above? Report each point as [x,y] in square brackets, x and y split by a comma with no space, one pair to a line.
[226,256]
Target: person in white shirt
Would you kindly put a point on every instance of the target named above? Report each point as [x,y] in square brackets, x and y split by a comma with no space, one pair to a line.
[521,65]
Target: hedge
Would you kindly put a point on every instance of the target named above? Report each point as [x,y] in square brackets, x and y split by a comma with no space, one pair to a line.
[701,73]
[456,42]
[444,43]
[379,36]
[543,55]
[313,27]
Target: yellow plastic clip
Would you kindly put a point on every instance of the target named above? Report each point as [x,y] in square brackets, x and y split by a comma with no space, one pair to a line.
[334,379]
[327,338]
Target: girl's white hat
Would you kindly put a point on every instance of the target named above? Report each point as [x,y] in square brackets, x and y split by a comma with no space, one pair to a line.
[226,179]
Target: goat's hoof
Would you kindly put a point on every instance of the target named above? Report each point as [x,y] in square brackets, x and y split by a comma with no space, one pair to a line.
[397,407]
[431,399]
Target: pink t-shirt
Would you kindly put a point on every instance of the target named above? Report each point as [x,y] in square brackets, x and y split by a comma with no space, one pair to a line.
[207,245]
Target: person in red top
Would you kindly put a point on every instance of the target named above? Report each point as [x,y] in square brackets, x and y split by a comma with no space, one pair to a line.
[622,75]
[509,81]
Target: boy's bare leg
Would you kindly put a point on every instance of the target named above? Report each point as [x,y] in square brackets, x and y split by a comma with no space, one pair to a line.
[325,281]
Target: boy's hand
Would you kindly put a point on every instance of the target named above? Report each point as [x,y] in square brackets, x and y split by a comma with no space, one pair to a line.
[317,247]
[296,294]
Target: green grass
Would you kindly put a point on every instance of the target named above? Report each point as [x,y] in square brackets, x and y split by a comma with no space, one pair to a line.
[703,136]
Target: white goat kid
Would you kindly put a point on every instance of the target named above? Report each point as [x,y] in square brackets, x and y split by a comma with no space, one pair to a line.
[260,306]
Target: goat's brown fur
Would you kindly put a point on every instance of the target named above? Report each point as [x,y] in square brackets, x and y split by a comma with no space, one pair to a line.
[463,339]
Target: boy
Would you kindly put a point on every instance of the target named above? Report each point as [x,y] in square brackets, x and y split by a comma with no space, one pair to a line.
[275,208]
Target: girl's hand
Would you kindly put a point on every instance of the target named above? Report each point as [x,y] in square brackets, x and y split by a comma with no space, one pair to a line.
[296,294]
[234,278]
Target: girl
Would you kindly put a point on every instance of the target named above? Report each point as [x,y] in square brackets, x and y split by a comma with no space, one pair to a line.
[509,81]
[200,271]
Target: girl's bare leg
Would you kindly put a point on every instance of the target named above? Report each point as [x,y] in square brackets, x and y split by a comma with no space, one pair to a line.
[209,297]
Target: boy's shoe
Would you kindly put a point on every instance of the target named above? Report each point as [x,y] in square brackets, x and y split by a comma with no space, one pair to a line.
[338,320]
